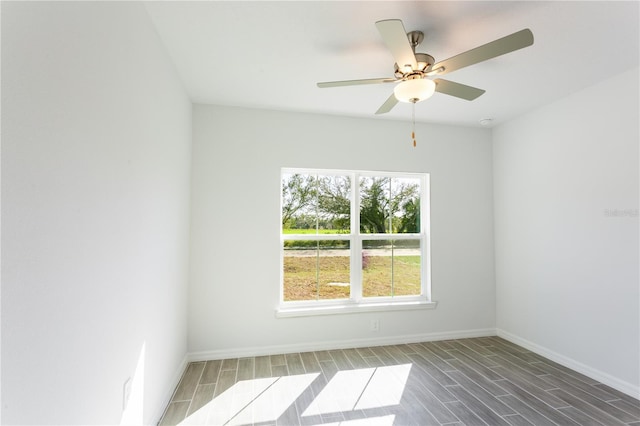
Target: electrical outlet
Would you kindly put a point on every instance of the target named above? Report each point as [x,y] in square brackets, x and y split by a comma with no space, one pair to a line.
[126,393]
[375,325]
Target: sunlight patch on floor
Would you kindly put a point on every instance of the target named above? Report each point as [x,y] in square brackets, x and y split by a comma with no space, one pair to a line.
[252,401]
[360,389]
[266,400]
[385,388]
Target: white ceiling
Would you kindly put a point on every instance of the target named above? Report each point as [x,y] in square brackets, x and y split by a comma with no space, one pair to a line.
[268,54]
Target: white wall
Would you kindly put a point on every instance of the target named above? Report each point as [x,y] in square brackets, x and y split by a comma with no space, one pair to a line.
[234,283]
[95,209]
[566,268]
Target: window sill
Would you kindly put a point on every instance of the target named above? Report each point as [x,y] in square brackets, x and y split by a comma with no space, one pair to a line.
[351,308]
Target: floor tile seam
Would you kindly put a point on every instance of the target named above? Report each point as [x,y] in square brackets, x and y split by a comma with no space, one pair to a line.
[431,353]
[199,379]
[480,385]
[476,369]
[253,372]
[519,368]
[593,407]
[531,385]
[581,412]
[587,389]
[289,369]
[568,373]
[175,391]
[608,413]
[393,358]
[494,381]
[549,406]
[637,418]
[316,357]
[470,410]
[473,411]
[514,415]
[597,397]
[431,375]
[220,370]
[229,369]
[271,365]
[166,410]
[193,396]
[494,397]
[425,390]
[471,349]
[374,356]
[523,377]
[194,389]
[531,364]
[507,392]
[309,370]
[406,347]
[580,397]
[560,408]
[525,402]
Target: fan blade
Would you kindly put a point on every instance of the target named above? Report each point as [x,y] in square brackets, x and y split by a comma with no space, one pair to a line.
[395,37]
[356,82]
[490,50]
[387,105]
[456,89]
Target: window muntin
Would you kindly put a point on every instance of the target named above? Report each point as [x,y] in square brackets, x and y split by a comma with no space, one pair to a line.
[355,236]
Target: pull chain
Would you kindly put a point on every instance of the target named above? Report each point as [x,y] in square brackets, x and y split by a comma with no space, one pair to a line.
[413,123]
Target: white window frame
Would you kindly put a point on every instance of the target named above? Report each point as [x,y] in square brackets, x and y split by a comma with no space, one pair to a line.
[356,302]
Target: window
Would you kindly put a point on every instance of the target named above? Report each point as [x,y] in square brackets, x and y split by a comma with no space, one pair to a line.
[353,241]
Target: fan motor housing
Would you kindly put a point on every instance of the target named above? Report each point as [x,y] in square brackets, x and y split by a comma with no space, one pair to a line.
[424,61]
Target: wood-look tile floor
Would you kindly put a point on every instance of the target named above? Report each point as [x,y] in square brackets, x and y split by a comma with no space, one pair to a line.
[480,381]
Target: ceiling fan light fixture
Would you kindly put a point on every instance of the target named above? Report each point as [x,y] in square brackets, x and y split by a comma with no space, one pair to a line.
[414,90]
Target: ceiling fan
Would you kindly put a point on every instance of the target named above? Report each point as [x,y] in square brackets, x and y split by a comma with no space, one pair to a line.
[413,71]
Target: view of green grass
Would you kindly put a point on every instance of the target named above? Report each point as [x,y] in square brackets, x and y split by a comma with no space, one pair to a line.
[305,279]
[376,277]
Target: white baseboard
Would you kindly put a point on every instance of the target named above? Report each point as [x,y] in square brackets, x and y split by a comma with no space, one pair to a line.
[177,376]
[336,344]
[607,379]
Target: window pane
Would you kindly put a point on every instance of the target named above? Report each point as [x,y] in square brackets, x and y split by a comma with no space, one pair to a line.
[334,204]
[300,265]
[406,268]
[374,205]
[316,270]
[390,268]
[333,270]
[316,204]
[405,205]
[298,203]
[376,268]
